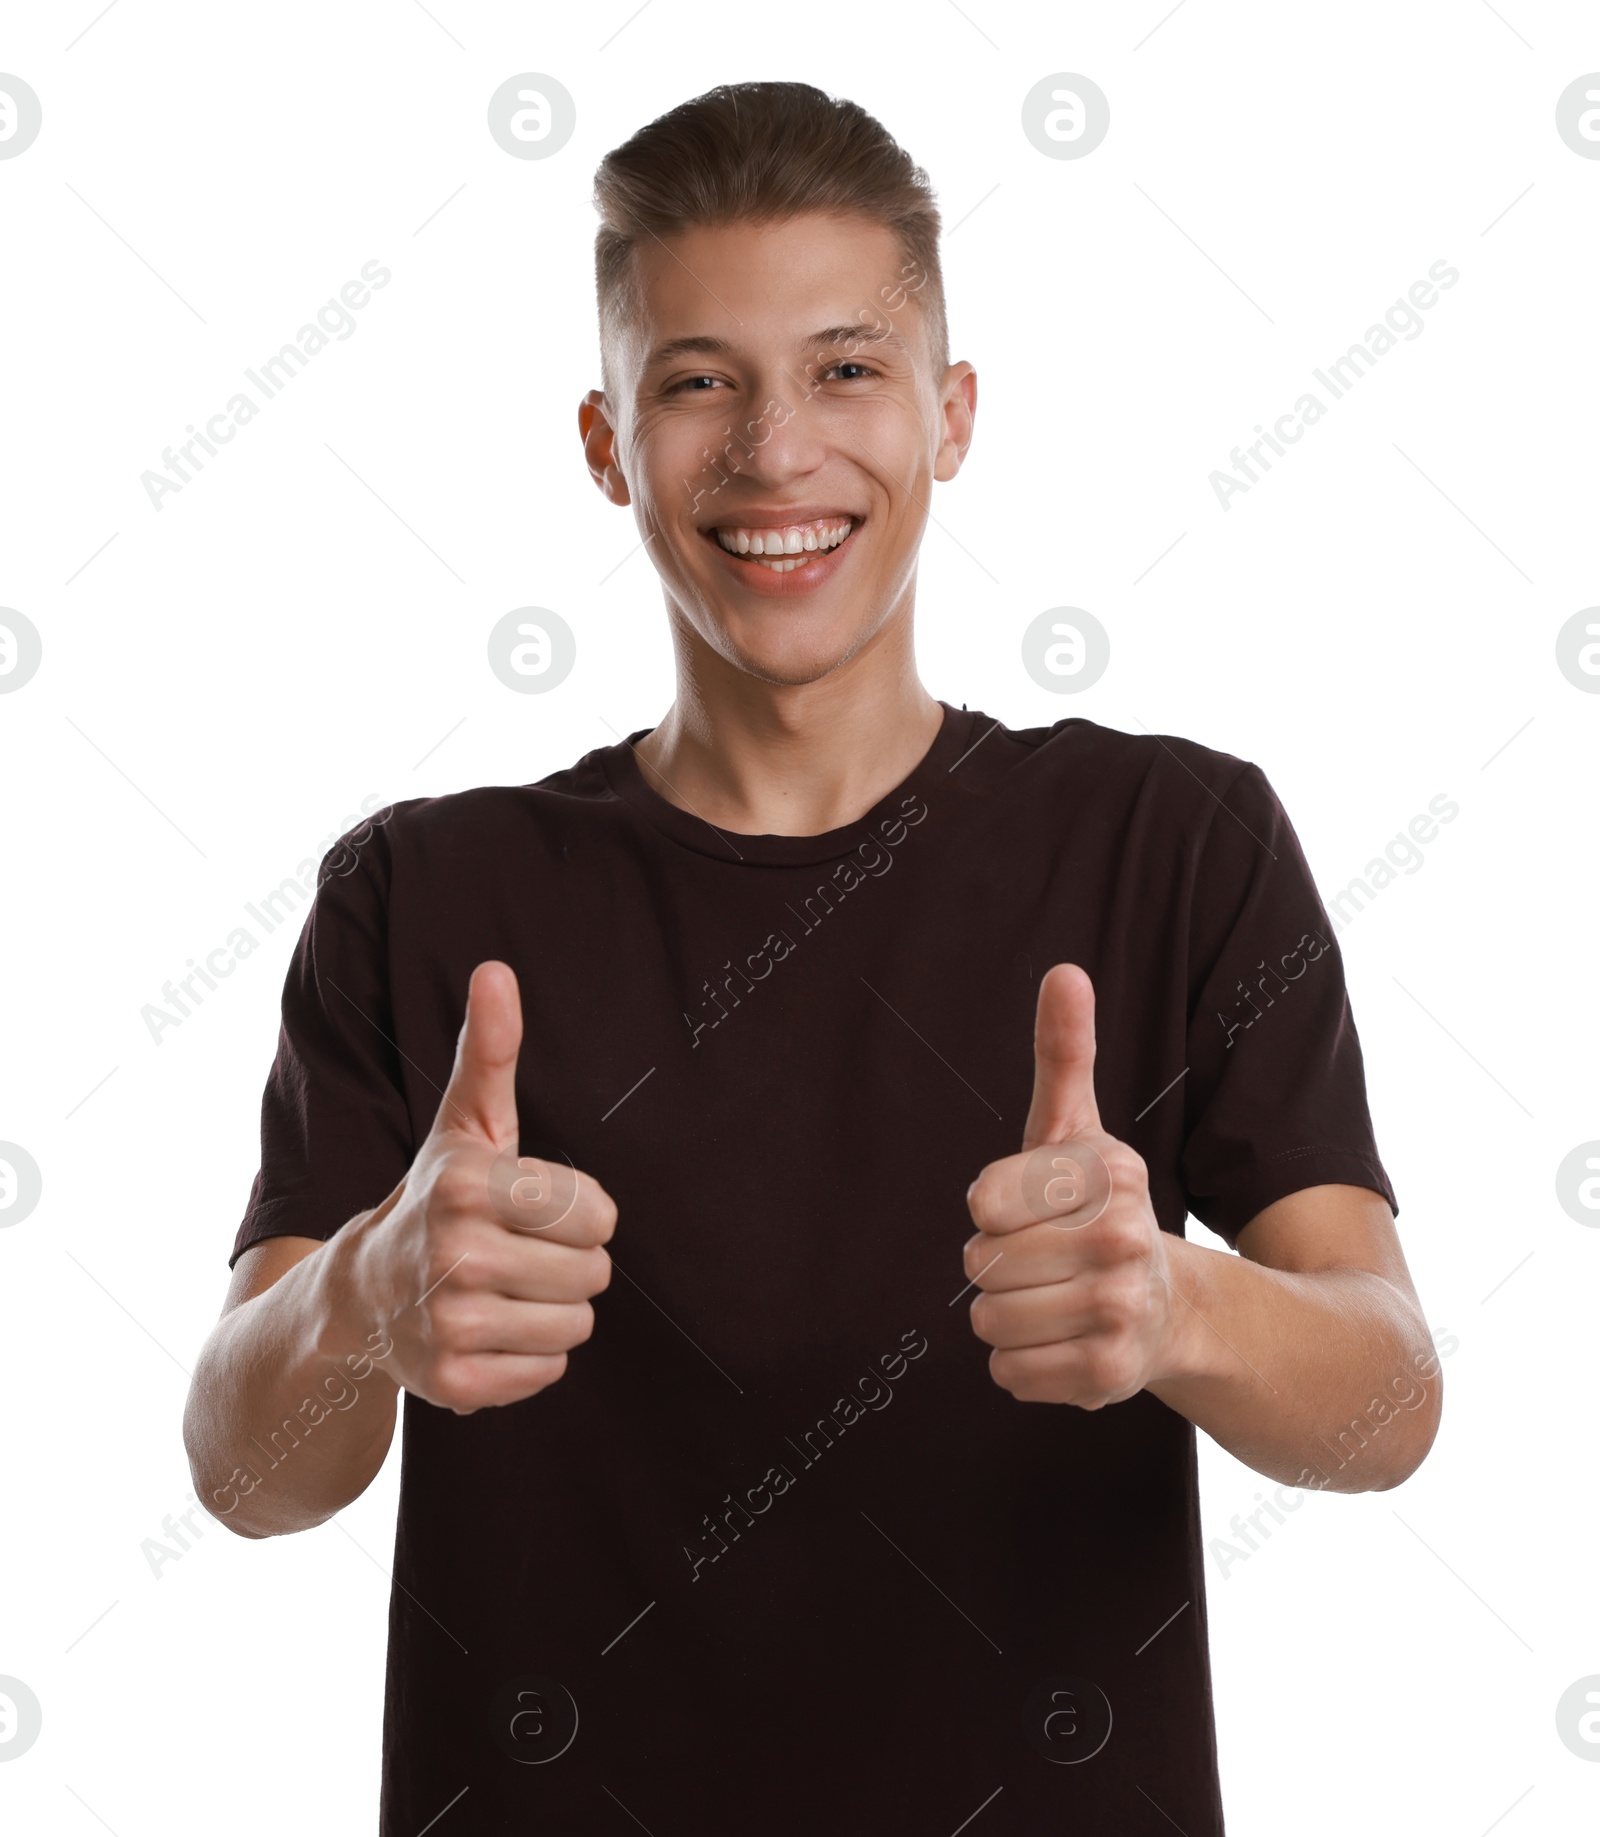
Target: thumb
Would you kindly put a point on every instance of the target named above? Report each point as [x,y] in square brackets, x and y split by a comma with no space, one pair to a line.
[1064,1104]
[481,1098]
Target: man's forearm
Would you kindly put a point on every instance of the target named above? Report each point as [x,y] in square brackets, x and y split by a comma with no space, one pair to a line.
[1326,1379]
[291,1413]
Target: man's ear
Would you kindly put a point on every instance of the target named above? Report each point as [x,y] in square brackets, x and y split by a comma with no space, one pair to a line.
[600,447]
[958,405]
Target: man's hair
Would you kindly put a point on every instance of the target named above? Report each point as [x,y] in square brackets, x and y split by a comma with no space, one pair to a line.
[763,153]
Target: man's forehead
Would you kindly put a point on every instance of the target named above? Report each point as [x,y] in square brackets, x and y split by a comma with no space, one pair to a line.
[809,282]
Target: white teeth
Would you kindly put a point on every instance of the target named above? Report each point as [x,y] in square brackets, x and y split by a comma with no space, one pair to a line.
[795,540]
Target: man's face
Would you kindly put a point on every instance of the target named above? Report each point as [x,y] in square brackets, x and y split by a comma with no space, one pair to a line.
[753,394]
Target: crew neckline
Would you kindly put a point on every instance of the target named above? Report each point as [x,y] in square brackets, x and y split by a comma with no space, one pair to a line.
[626,777]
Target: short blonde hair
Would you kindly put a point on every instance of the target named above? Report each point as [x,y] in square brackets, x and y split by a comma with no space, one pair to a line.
[762,153]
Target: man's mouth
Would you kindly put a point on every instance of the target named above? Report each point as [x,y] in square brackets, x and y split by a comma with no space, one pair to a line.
[782,549]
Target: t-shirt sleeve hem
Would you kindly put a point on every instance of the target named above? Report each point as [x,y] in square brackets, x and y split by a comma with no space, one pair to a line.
[1292,1172]
[292,1216]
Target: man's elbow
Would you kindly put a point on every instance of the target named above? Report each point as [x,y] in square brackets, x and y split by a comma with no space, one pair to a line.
[221,1499]
[1413,1450]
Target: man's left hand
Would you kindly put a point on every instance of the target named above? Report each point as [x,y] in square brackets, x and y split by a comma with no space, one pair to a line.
[1076,1297]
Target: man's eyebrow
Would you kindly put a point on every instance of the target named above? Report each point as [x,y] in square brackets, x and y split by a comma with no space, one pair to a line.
[859,334]
[705,344]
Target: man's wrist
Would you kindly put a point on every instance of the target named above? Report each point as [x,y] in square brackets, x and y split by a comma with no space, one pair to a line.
[347,1322]
[1192,1352]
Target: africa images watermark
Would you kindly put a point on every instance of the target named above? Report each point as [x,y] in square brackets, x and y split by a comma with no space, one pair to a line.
[1379,872]
[336,1392]
[274,375]
[845,1414]
[270,912]
[158,1553]
[1410,1392]
[868,858]
[1339,378]
[1303,953]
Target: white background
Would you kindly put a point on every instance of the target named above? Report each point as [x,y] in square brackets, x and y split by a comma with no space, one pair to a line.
[1374,623]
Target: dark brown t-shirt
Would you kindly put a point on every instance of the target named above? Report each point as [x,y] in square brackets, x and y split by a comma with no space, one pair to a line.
[776,1553]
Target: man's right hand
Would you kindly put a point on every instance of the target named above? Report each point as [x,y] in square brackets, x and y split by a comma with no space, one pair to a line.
[480,1265]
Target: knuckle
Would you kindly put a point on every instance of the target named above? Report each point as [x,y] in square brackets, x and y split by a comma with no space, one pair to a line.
[1107,1369]
[1121,1234]
[598,1268]
[441,1288]
[1121,1300]
[455,1323]
[594,1208]
[1127,1165]
[450,1385]
[579,1323]
[458,1189]
[599,1221]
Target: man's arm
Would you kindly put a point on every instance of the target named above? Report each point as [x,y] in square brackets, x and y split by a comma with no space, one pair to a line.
[1306,1356]
[289,1417]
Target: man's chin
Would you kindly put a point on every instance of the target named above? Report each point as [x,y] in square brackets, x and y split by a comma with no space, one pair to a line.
[788,666]
[788,654]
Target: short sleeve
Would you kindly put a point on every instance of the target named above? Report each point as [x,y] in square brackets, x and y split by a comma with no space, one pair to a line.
[335,1128]
[1276,1096]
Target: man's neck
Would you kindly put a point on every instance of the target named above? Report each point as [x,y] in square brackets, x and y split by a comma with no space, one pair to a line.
[774,759]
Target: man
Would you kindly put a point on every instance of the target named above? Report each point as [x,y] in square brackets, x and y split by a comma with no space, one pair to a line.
[865,1501]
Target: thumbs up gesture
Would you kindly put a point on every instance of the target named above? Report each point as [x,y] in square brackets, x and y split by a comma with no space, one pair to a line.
[480,1264]
[1069,1260]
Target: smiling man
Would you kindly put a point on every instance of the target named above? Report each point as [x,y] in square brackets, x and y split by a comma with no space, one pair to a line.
[890,1048]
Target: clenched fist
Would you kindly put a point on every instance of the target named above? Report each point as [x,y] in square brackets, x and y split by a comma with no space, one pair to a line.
[1071,1263]
[480,1265]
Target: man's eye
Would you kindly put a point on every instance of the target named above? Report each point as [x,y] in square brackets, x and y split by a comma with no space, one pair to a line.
[846,363]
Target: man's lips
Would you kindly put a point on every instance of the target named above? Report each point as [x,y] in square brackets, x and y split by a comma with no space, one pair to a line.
[816,565]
